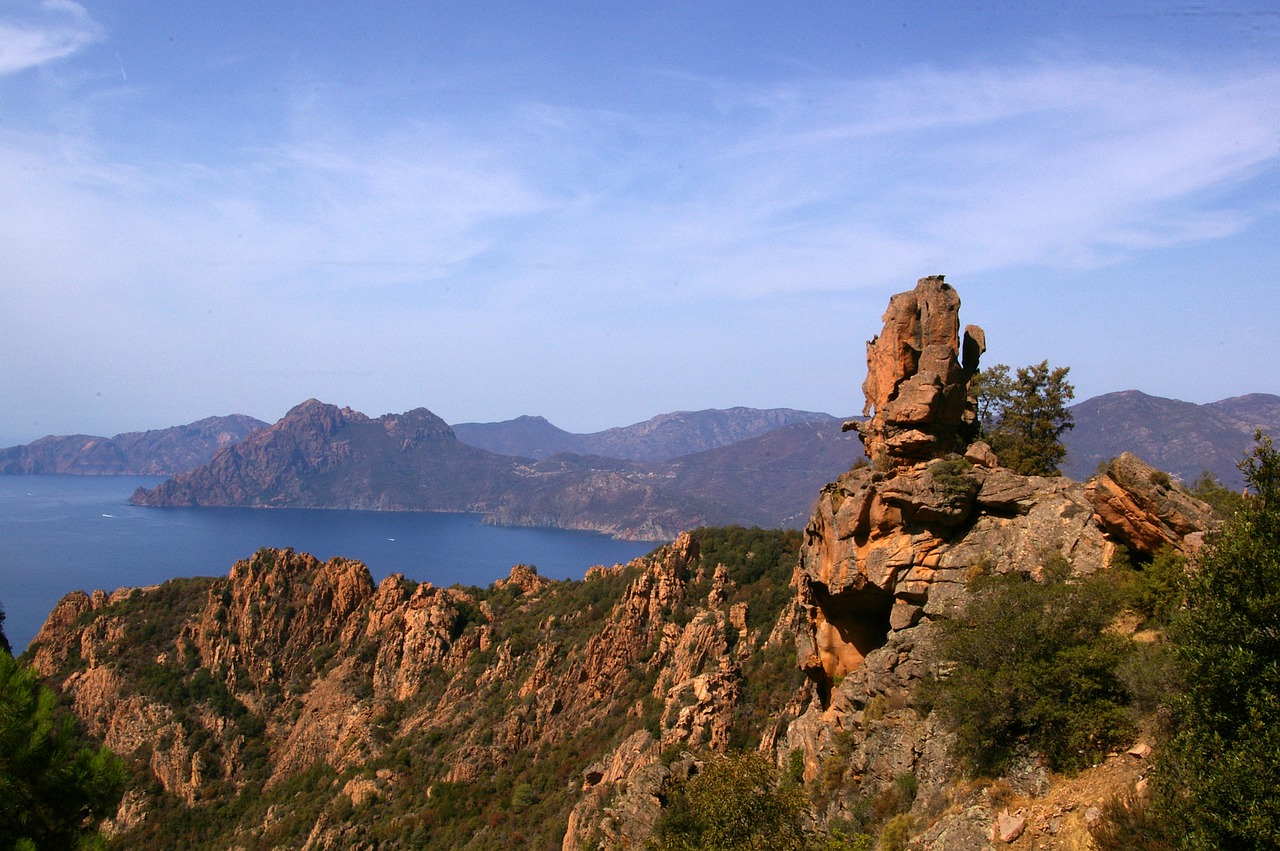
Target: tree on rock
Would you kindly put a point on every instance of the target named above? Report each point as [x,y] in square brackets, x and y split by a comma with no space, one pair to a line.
[1023,417]
[54,790]
[1220,772]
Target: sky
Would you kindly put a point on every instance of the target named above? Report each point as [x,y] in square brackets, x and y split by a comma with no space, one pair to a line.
[598,212]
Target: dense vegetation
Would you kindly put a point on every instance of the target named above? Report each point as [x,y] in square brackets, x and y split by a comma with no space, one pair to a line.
[736,801]
[1220,772]
[54,788]
[1034,672]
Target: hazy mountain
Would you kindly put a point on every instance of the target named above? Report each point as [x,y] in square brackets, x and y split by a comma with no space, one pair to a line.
[661,438]
[159,452]
[1182,438]
[322,456]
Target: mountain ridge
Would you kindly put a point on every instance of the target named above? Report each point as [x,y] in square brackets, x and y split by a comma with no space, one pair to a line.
[156,452]
[660,438]
[321,456]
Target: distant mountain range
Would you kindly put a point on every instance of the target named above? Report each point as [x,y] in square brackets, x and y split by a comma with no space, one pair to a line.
[649,480]
[662,438]
[161,452]
[1181,438]
[322,456]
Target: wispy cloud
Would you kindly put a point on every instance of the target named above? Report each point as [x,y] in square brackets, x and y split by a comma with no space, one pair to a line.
[33,33]
[809,186]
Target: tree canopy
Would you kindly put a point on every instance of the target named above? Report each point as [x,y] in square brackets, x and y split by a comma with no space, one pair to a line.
[1220,772]
[54,790]
[1024,416]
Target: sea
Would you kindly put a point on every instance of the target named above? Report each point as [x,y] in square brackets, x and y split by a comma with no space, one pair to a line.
[64,533]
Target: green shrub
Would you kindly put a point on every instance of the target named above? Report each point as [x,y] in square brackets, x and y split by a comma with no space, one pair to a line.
[1217,779]
[734,802]
[1034,671]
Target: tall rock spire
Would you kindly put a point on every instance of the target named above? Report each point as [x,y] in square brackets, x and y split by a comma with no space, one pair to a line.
[918,372]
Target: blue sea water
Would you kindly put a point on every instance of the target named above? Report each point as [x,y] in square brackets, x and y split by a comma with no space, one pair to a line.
[63,533]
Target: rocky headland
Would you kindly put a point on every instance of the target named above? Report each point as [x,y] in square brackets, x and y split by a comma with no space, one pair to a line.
[294,703]
[159,452]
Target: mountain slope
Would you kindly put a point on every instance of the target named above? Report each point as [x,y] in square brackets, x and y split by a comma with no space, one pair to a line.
[661,438]
[159,452]
[1179,437]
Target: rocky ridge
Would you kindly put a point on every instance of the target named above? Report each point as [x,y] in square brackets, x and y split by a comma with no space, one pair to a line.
[322,456]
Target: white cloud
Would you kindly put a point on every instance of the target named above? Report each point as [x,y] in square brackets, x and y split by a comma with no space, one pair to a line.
[810,187]
[32,34]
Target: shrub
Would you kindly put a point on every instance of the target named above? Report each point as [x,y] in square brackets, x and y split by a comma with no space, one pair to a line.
[54,790]
[1217,778]
[734,802]
[1034,671]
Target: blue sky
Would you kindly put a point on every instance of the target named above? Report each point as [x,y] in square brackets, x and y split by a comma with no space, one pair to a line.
[599,212]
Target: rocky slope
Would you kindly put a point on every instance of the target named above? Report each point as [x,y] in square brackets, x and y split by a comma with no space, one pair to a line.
[661,438]
[160,452]
[295,704]
[269,707]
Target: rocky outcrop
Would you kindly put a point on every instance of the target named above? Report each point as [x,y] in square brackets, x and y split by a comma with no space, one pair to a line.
[1145,509]
[918,373]
[891,548]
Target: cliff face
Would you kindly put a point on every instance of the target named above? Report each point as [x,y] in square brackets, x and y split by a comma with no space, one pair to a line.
[161,452]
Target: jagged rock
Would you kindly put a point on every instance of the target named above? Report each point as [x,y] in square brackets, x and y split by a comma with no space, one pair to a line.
[1144,509]
[918,375]
[890,550]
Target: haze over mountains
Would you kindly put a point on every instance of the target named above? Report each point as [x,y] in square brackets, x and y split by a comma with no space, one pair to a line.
[1181,438]
[661,438]
[648,480]
[322,456]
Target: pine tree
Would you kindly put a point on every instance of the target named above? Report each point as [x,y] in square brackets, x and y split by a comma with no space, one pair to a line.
[1219,776]
[54,790]
[1024,417]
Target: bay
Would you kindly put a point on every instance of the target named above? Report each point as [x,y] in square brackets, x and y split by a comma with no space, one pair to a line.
[64,533]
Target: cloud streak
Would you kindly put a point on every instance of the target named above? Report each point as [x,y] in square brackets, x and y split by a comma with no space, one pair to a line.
[32,34]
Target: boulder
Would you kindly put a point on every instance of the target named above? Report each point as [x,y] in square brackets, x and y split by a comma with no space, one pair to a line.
[1145,509]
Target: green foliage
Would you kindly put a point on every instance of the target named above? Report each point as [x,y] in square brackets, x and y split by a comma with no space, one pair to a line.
[1221,498]
[4,640]
[894,835]
[1218,775]
[735,802]
[54,789]
[1034,671]
[1024,417]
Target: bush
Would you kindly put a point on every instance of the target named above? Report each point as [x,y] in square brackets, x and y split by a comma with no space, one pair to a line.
[1034,671]
[1217,778]
[734,802]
